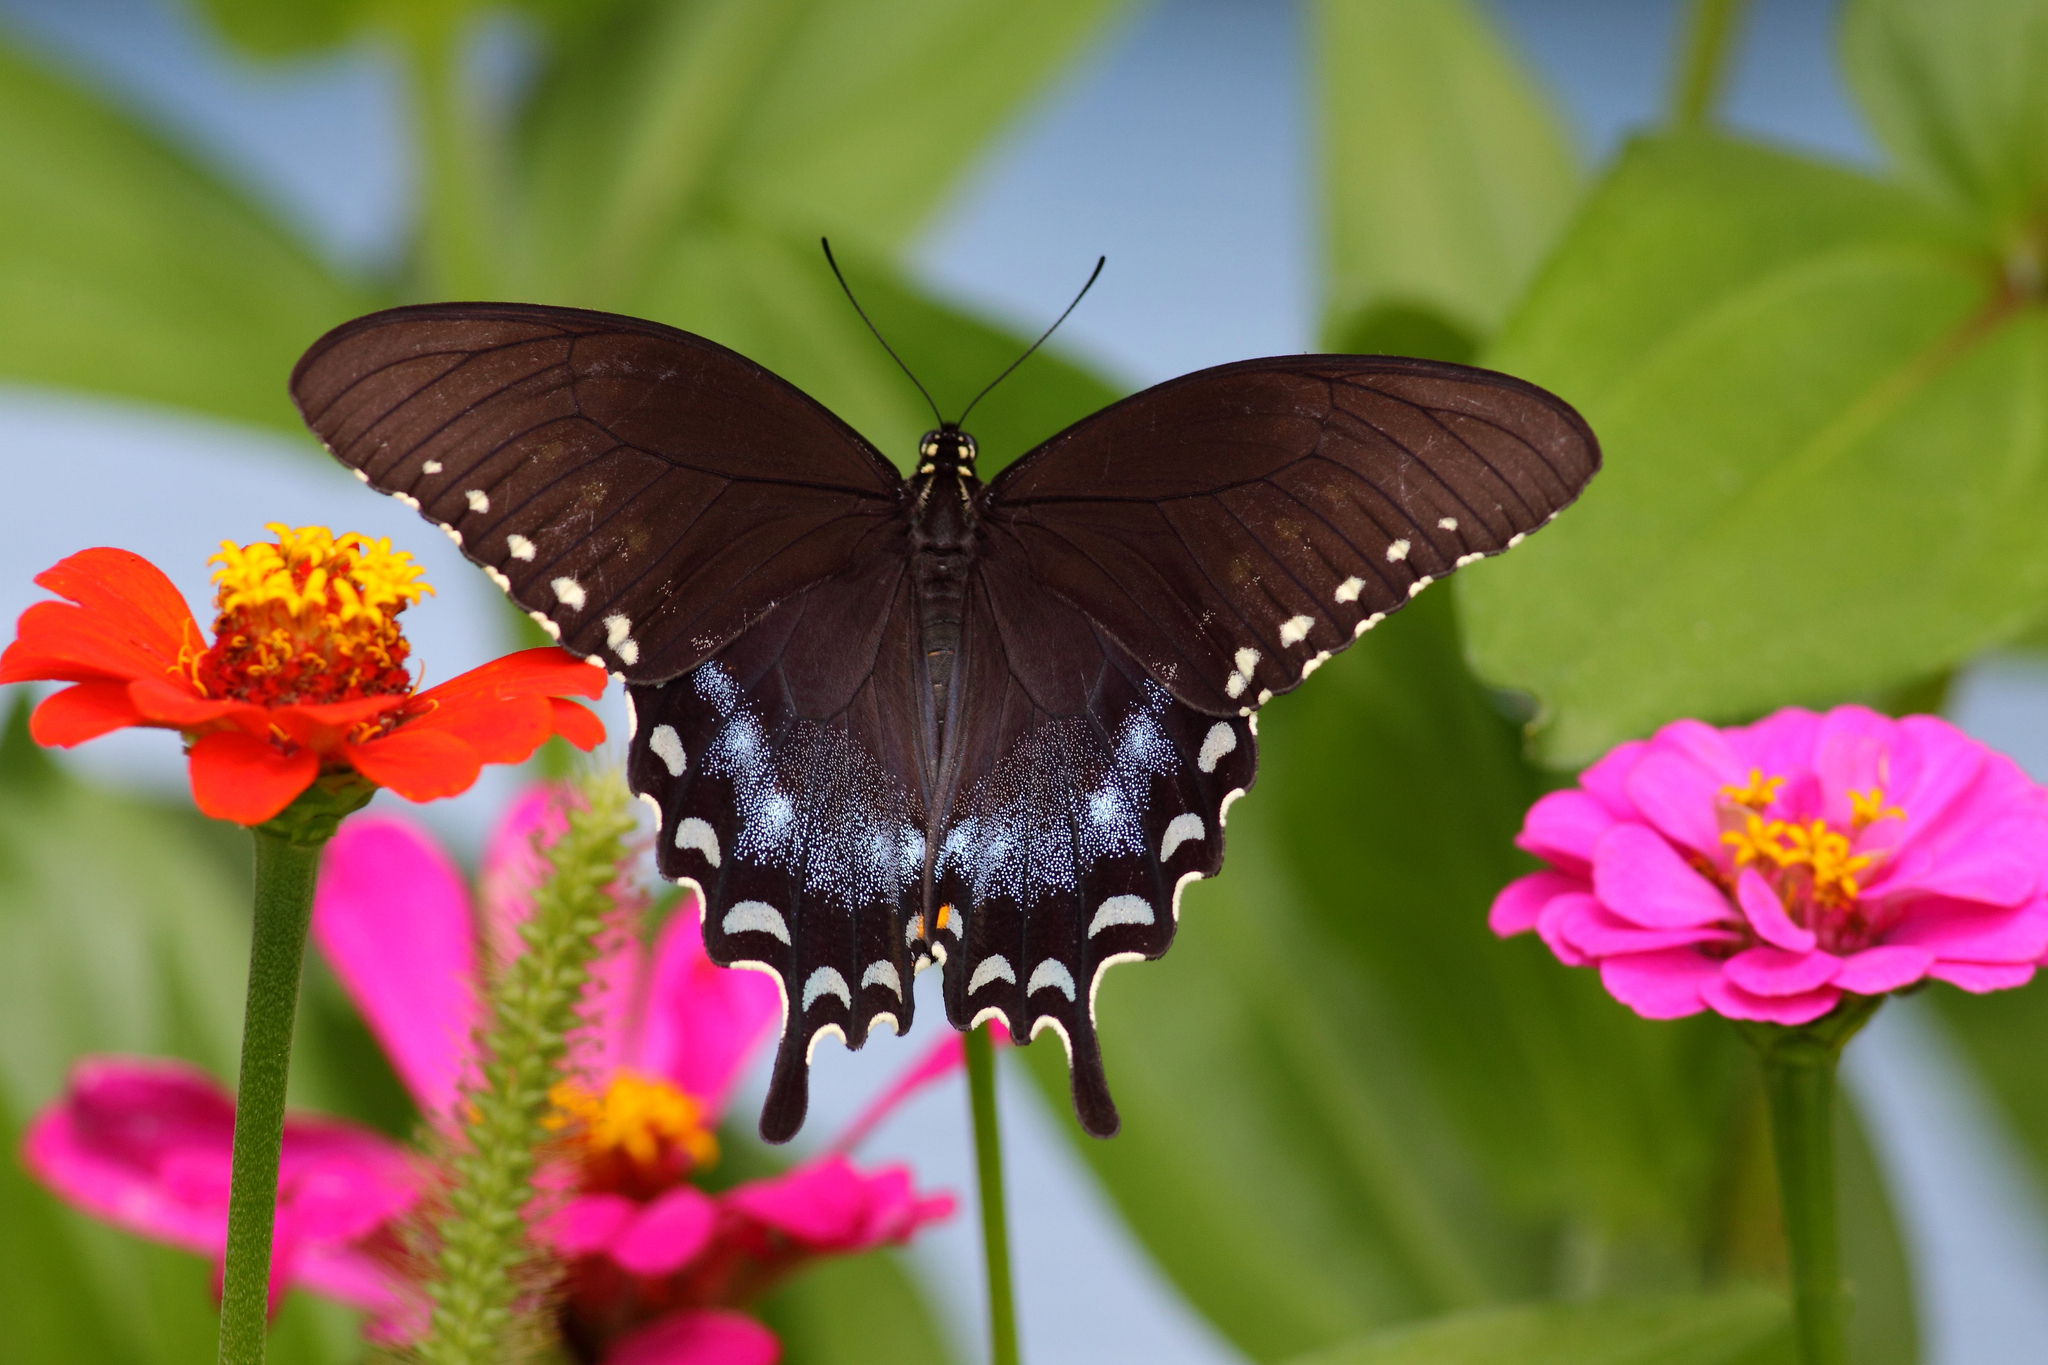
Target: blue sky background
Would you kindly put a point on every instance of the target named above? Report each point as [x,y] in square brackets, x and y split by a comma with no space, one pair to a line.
[1181,149]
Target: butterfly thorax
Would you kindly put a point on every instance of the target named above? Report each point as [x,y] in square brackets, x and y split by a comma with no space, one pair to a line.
[943,541]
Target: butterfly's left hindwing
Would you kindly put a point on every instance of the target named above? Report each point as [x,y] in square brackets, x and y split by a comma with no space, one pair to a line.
[784,773]
[1085,798]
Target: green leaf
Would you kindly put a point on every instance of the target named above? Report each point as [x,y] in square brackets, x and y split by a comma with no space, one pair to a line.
[846,116]
[1958,92]
[1447,171]
[1742,1327]
[125,269]
[1823,419]
[773,300]
[265,28]
[1345,1103]
[855,1310]
[122,930]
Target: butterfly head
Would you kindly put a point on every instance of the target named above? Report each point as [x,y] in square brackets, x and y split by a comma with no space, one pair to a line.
[948,450]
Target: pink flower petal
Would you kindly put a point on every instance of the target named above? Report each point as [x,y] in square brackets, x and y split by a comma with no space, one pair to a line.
[1607,780]
[1519,903]
[828,1205]
[1766,914]
[1659,985]
[703,1021]
[1597,932]
[1562,827]
[1853,753]
[1960,931]
[1640,877]
[667,1234]
[391,915]
[587,1223]
[1886,968]
[697,1336]
[513,865]
[1780,972]
[1979,977]
[1677,795]
[1700,743]
[1733,1002]
[1550,928]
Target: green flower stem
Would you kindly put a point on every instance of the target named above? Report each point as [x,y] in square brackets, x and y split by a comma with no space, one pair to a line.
[1799,1082]
[285,872]
[485,1265]
[995,1229]
[1701,72]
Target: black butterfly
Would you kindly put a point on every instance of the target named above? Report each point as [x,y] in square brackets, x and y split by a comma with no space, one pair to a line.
[887,722]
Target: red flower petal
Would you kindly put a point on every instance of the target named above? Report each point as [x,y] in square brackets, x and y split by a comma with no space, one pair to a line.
[493,729]
[237,777]
[165,703]
[129,622]
[576,724]
[543,672]
[418,763]
[83,712]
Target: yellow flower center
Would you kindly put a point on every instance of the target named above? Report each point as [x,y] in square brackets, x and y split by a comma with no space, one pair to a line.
[309,618]
[639,1136]
[1811,865]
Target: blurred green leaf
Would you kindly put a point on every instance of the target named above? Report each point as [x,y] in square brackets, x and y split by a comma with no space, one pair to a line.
[773,300]
[1345,1103]
[126,269]
[1958,92]
[1742,1327]
[1447,172]
[266,28]
[121,930]
[846,116]
[1822,419]
[855,1310]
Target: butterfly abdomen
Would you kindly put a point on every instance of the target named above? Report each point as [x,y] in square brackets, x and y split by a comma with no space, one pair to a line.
[943,543]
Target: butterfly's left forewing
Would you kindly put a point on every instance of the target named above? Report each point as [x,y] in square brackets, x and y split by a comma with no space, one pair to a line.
[1084,797]
[785,773]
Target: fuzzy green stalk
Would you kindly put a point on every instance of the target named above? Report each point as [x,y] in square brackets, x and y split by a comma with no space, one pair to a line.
[287,864]
[1799,1083]
[483,1260]
[1700,73]
[995,1229]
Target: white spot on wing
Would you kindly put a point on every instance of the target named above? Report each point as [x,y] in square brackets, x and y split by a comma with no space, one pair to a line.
[1229,800]
[1419,584]
[616,629]
[1348,590]
[452,534]
[1051,974]
[668,747]
[1312,665]
[882,973]
[1102,969]
[1462,560]
[1397,552]
[1178,887]
[479,501]
[1120,910]
[1368,623]
[1516,539]
[992,1012]
[1448,523]
[1220,740]
[1295,629]
[824,1031]
[827,981]
[408,500]
[1265,695]
[1182,829]
[1247,660]
[569,593]
[519,546]
[554,631]
[361,477]
[995,967]
[504,583]
[1046,1021]
[1235,687]
[693,832]
[652,805]
[759,917]
[431,467]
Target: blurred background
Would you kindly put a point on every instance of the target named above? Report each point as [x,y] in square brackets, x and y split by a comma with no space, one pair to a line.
[1332,1126]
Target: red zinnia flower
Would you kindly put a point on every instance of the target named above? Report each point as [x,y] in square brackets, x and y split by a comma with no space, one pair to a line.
[306,674]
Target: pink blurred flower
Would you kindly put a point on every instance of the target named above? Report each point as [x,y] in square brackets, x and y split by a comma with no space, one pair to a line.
[1765,871]
[146,1144]
[657,1266]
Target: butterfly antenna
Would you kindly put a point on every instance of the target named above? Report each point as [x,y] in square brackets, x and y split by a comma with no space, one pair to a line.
[836,274]
[1100,261]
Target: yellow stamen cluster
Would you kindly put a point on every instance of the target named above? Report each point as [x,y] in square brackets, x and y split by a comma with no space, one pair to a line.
[1782,845]
[639,1135]
[1760,792]
[309,618]
[1868,808]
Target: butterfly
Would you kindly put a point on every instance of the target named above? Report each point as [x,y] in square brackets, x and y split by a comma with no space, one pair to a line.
[889,722]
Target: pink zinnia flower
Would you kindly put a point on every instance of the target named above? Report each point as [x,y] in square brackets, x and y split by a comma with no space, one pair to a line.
[656,1264]
[1765,871]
